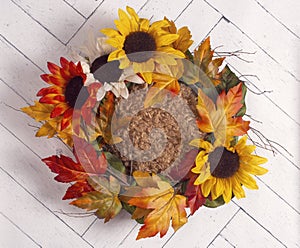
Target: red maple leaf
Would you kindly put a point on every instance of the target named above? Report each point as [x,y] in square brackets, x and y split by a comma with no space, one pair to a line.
[87,164]
[194,195]
[77,190]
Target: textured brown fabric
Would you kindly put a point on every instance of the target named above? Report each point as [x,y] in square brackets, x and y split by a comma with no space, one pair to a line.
[162,132]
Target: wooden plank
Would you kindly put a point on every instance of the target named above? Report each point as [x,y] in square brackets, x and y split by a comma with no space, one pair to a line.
[286,12]
[25,80]
[157,10]
[12,236]
[27,168]
[271,77]
[85,7]
[103,18]
[273,213]
[200,19]
[56,16]
[203,226]
[29,214]
[220,242]
[112,233]
[275,39]
[38,44]
[248,232]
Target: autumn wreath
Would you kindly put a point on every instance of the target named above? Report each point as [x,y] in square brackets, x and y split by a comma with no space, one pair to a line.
[154,128]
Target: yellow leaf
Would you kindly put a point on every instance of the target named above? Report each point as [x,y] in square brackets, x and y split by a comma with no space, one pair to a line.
[39,111]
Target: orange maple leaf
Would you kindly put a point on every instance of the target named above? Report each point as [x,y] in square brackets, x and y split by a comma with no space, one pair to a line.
[220,118]
[165,204]
[203,57]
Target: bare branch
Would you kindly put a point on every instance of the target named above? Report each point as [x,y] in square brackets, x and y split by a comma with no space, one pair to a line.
[266,143]
[75,215]
[250,117]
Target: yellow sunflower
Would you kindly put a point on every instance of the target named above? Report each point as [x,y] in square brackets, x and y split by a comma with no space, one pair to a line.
[223,170]
[136,35]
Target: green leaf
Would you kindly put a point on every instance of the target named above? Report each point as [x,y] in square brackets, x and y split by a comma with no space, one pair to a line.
[215,203]
[115,162]
[189,55]
[104,199]
[229,79]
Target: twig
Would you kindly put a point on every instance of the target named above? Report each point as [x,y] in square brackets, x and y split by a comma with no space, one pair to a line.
[250,117]
[266,143]
[75,215]
[258,93]
[11,107]
[249,75]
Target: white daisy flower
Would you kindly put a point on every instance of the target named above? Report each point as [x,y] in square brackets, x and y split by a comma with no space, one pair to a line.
[93,55]
[119,89]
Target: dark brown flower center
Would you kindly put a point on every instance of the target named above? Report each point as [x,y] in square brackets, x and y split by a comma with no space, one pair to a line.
[106,71]
[137,42]
[223,163]
[75,93]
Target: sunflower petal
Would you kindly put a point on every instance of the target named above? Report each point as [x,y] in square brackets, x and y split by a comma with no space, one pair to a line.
[144,25]
[110,32]
[166,40]
[59,110]
[246,180]
[206,186]
[227,193]
[54,69]
[237,189]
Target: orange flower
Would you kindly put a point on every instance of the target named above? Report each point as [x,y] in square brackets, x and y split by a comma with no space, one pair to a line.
[67,83]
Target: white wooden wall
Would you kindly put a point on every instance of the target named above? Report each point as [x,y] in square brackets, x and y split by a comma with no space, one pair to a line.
[32,32]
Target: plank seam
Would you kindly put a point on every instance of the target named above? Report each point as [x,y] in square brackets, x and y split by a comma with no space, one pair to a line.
[242,209]
[253,41]
[93,222]
[186,7]
[40,202]
[287,203]
[76,10]
[20,229]
[227,240]
[25,101]
[122,241]
[93,12]
[292,32]
[11,44]
[38,22]
[232,217]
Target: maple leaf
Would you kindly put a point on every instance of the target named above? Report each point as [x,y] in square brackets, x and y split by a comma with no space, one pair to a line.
[39,111]
[69,171]
[165,82]
[86,154]
[166,206]
[203,57]
[104,122]
[77,190]
[221,118]
[228,81]
[51,126]
[194,195]
[159,90]
[104,199]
